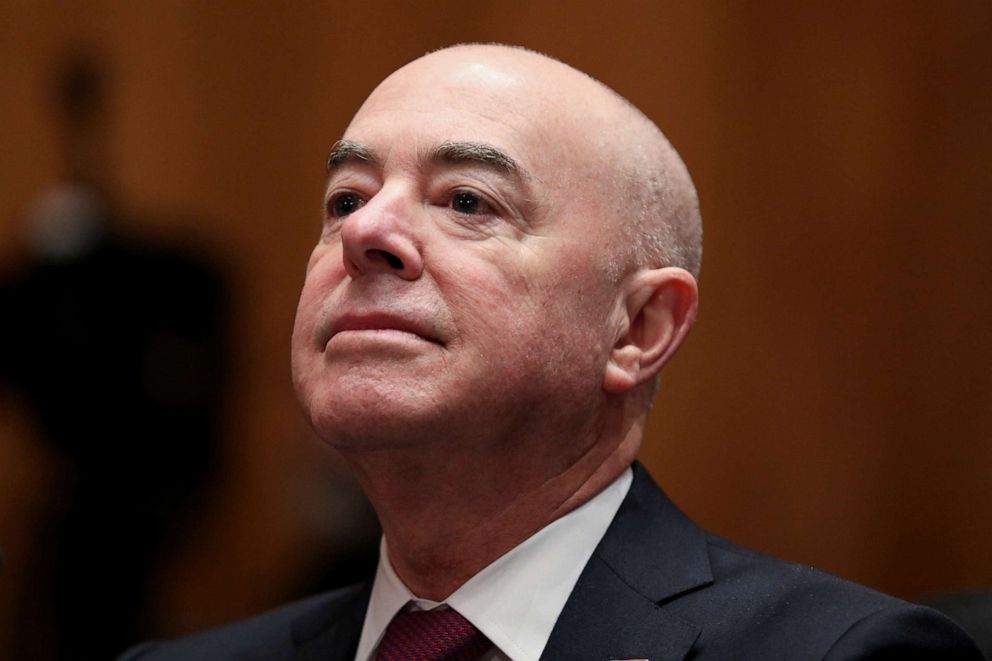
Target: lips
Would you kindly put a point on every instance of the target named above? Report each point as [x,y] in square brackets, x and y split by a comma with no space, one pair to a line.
[380,321]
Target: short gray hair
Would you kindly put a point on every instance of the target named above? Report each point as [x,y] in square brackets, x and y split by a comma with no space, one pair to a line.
[666,228]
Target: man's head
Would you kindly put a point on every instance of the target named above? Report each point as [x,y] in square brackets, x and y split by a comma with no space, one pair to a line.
[508,252]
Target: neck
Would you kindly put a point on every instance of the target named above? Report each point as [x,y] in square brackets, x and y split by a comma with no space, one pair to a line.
[449,510]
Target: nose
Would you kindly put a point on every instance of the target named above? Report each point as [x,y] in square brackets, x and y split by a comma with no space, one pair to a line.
[381,237]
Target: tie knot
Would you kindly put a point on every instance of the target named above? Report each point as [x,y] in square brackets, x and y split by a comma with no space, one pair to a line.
[434,635]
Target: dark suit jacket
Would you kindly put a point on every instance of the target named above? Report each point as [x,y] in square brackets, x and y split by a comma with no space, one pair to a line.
[657,587]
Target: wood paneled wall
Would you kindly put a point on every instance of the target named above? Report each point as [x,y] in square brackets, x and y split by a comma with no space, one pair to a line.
[834,404]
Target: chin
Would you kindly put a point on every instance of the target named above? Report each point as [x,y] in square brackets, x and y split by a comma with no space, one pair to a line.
[376,415]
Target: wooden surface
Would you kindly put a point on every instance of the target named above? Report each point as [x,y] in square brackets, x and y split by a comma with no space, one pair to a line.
[834,403]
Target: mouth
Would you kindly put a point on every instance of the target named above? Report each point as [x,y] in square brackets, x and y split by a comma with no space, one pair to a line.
[381,326]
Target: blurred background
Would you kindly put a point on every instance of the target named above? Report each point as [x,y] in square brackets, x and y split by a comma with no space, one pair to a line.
[161,169]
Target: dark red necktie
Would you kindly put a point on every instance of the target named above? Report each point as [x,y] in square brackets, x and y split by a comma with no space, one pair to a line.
[435,635]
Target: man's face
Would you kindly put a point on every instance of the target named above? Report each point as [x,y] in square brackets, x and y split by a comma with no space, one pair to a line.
[458,289]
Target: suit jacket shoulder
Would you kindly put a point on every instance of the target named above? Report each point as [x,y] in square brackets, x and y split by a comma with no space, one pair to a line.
[659,587]
[760,607]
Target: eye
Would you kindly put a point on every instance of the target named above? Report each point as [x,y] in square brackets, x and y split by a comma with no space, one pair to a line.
[344,204]
[469,203]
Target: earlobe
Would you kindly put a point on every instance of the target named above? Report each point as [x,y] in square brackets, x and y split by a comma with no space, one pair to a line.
[661,308]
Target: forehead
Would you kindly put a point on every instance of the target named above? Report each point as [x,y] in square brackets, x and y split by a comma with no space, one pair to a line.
[463,99]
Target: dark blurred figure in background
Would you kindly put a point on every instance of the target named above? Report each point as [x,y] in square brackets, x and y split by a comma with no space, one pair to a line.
[118,349]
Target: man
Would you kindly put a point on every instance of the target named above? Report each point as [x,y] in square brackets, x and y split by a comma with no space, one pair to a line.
[507,262]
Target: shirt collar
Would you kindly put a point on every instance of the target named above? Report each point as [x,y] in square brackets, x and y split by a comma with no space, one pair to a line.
[516,600]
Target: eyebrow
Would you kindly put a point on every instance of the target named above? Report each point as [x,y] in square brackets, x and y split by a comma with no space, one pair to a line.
[345,151]
[477,153]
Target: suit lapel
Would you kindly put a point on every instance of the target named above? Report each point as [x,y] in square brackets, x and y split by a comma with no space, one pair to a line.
[651,554]
[605,619]
[332,633]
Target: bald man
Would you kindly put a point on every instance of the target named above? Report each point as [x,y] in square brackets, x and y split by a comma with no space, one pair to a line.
[507,262]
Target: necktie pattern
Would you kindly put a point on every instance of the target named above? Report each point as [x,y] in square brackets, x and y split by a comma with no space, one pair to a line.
[434,635]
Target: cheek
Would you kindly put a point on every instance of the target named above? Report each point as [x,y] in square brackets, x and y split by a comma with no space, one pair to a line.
[303,353]
[523,318]
[321,276]
[304,323]
[309,304]
[488,297]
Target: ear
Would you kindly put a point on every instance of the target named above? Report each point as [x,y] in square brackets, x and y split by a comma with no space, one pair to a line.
[660,307]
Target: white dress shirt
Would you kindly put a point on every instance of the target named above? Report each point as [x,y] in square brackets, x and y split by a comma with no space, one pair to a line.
[516,600]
